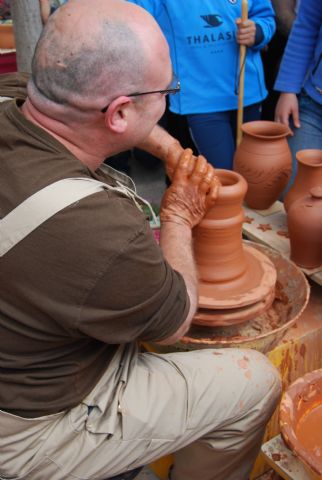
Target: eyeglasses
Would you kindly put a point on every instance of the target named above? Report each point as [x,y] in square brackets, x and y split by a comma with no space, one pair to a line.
[173,88]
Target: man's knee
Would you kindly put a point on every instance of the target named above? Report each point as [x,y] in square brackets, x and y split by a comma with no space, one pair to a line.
[266,380]
[253,380]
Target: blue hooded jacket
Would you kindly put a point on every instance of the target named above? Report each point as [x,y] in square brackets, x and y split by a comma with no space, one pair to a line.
[204,52]
[301,66]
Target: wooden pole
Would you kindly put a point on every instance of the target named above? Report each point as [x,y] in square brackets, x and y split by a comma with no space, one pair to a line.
[242,58]
[27,26]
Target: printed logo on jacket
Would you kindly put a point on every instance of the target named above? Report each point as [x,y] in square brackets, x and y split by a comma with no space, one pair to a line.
[216,36]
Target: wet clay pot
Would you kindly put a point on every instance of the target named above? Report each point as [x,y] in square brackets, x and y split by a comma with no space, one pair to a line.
[217,239]
[304,219]
[232,275]
[309,174]
[300,419]
[264,159]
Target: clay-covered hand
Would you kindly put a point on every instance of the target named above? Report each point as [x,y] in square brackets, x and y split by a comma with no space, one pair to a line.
[172,158]
[286,107]
[193,191]
[246,32]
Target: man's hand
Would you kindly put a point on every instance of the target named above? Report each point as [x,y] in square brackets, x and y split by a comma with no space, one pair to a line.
[193,190]
[246,32]
[286,107]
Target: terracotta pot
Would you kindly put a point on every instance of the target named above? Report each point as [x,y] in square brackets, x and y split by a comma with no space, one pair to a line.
[7,39]
[218,237]
[304,220]
[301,420]
[231,275]
[309,174]
[264,159]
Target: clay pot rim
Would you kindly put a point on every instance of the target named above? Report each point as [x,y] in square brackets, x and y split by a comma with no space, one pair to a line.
[286,428]
[284,130]
[240,182]
[303,156]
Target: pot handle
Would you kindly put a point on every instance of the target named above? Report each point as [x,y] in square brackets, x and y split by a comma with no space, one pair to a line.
[289,132]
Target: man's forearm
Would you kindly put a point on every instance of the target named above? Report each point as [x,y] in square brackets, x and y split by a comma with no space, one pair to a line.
[158,143]
[176,244]
[193,191]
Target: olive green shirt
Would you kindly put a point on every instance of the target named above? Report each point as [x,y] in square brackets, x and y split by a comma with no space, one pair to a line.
[89,278]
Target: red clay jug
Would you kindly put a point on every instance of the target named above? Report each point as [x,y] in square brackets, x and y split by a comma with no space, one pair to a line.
[309,174]
[236,281]
[264,159]
[218,244]
[304,219]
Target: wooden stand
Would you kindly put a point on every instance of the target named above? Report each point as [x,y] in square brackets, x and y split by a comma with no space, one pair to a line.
[282,460]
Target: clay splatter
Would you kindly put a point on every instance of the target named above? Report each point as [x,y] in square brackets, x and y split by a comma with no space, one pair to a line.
[264,227]
[248,219]
[243,362]
[302,350]
[276,457]
[283,233]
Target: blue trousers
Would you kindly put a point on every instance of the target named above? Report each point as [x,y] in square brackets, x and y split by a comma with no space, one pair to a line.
[214,134]
[309,135]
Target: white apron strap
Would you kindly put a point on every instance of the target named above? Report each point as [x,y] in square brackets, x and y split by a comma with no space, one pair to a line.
[42,205]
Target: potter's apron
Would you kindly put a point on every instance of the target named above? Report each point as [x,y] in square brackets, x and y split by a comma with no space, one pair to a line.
[22,440]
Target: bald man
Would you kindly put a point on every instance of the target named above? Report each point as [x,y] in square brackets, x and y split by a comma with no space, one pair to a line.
[83,280]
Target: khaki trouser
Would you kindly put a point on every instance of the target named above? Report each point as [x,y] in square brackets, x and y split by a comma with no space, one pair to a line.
[208,406]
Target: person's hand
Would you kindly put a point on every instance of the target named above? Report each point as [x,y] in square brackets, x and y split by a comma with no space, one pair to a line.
[246,32]
[193,191]
[172,158]
[286,107]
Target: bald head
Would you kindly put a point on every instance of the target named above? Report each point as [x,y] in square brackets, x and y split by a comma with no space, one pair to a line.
[91,52]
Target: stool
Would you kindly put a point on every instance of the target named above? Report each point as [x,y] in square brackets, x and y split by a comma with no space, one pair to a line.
[128,475]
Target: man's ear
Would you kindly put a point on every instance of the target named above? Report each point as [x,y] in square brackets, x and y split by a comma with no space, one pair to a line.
[116,116]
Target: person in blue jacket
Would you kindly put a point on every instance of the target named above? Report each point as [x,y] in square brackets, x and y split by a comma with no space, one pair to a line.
[204,38]
[300,81]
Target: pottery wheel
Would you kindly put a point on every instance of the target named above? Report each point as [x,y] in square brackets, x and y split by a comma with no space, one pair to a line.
[257,283]
[232,316]
[264,331]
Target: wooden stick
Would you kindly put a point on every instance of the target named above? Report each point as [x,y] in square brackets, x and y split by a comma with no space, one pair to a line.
[242,59]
